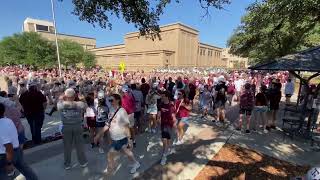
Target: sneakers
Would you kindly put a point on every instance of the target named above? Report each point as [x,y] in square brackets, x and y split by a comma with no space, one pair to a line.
[101,151]
[163,160]
[67,167]
[179,142]
[135,167]
[84,165]
[247,131]
[265,131]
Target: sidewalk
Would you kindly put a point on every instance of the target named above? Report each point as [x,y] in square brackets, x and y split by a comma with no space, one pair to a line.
[202,141]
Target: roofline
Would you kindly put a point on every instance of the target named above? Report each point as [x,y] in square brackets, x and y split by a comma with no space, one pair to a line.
[40,21]
[110,46]
[137,52]
[167,25]
[68,35]
[210,45]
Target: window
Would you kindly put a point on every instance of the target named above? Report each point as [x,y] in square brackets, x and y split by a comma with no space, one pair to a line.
[42,28]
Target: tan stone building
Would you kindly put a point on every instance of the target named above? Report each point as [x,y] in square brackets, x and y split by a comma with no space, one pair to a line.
[179,47]
[234,62]
[46,30]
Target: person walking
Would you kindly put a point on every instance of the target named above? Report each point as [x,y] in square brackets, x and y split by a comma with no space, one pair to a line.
[246,106]
[138,96]
[34,104]
[168,124]
[72,116]
[118,127]
[221,99]
[260,109]
[274,97]
[102,111]
[11,154]
[183,108]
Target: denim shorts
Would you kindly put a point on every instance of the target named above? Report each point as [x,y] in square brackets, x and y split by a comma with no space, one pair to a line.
[118,144]
[185,120]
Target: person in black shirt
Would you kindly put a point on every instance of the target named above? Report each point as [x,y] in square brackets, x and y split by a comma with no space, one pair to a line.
[221,99]
[34,104]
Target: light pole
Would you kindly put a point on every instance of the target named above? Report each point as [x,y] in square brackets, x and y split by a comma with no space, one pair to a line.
[56,38]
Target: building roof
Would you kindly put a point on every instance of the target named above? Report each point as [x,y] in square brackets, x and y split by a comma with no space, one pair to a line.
[216,47]
[169,25]
[38,21]
[307,60]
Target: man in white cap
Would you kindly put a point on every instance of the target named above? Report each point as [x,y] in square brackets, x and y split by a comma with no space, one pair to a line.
[72,118]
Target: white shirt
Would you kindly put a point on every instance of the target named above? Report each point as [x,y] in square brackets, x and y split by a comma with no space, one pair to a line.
[8,134]
[119,124]
[289,88]
[238,84]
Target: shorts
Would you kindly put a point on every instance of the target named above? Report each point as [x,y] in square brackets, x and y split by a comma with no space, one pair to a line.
[260,109]
[22,137]
[118,144]
[288,95]
[152,110]
[100,124]
[220,104]
[245,111]
[91,123]
[131,120]
[184,120]
[167,133]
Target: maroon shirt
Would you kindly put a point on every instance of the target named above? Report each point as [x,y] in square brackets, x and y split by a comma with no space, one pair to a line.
[166,115]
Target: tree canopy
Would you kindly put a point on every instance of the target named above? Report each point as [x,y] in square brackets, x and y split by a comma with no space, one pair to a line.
[273,28]
[29,48]
[144,14]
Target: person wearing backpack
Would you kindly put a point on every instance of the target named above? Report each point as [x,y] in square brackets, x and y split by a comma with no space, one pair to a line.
[231,90]
[221,99]
[246,106]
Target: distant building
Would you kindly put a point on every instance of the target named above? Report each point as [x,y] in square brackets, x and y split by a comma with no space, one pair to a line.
[46,30]
[179,47]
[232,61]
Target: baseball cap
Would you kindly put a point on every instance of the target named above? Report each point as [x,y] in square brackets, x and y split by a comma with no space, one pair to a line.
[125,88]
[100,95]
[69,92]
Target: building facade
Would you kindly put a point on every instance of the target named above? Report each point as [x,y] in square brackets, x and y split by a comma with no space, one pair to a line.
[179,47]
[233,61]
[46,30]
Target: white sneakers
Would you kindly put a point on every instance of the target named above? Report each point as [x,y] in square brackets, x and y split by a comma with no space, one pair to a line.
[84,165]
[163,160]
[135,167]
[179,142]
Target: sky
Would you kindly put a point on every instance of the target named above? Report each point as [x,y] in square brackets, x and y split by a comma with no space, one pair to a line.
[214,29]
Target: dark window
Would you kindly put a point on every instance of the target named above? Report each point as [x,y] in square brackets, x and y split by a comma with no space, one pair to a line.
[42,28]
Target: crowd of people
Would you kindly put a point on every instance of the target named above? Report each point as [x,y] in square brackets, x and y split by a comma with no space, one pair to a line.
[115,107]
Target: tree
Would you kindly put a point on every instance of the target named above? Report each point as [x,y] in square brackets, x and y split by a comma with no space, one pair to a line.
[72,53]
[144,14]
[273,28]
[28,48]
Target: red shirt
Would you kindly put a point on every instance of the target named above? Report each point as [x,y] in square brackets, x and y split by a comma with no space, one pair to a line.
[182,111]
[128,103]
[166,115]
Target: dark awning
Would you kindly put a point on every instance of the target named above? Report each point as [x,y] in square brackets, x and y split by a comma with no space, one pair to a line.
[307,60]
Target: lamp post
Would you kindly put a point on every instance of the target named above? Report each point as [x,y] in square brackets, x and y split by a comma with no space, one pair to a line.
[56,38]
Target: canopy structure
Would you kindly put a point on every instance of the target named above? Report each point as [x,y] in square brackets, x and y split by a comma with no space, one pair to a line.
[307,60]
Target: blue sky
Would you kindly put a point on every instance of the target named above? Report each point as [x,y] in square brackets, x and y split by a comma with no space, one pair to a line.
[214,30]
